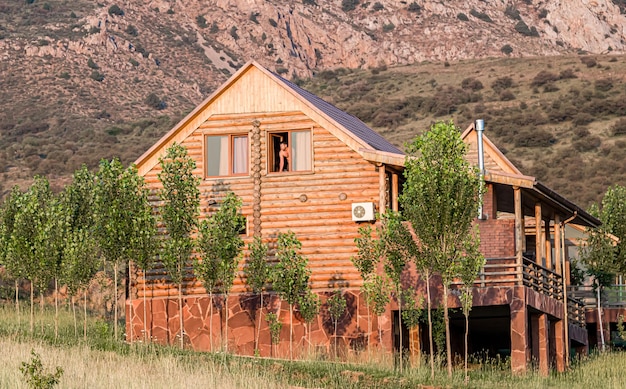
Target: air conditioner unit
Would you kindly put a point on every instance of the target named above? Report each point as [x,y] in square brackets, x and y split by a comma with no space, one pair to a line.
[363,212]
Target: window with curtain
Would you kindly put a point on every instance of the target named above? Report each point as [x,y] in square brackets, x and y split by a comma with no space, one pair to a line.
[226,155]
[290,151]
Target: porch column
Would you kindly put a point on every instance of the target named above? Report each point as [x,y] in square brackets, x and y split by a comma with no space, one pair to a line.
[394,192]
[519,330]
[519,231]
[543,350]
[557,244]
[548,245]
[538,235]
[557,328]
[382,188]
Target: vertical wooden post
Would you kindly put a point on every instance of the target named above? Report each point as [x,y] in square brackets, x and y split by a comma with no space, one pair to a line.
[382,188]
[394,191]
[519,231]
[548,245]
[538,235]
[557,244]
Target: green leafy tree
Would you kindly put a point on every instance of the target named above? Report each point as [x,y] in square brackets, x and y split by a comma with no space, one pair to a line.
[120,203]
[35,375]
[441,197]
[181,199]
[469,268]
[220,243]
[8,212]
[613,216]
[398,249]
[257,272]
[275,327]
[309,305]
[290,279]
[412,312]
[377,297]
[365,262]
[336,308]
[56,228]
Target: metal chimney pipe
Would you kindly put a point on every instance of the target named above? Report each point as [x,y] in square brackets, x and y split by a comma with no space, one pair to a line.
[480,127]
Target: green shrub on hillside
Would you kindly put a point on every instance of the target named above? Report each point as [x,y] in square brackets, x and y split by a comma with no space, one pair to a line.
[115,10]
[544,77]
[349,5]
[462,17]
[481,15]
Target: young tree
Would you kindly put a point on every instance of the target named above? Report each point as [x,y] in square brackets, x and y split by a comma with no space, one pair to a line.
[119,207]
[398,249]
[219,242]
[290,279]
[412,313]
[377,295]
[469,267]
[9,210]
[257,272]
[181,199]
[365,262]
[441,197]
[336,308]
[275,326]
[309,305]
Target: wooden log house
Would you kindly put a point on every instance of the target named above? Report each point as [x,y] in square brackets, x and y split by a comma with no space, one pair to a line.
[340,173]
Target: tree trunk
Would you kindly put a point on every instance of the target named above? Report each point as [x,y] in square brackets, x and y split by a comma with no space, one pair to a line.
[380,333]
[56,308]
[74,314]
[32,307]
[400,348]
[130,319]
[85,315]
[369,332]
[211,321]
[41,304]
[290,331]
[226,326]
[180,315]
[17,303]
[336,353]
[115,301]
[600,319]
[466,351]
[258,331]
[446,319]
[430,327]
[145,317]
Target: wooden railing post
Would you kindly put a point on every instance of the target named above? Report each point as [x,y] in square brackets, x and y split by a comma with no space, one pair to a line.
[519,233]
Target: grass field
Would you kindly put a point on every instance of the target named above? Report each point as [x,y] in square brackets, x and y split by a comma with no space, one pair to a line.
[101,362]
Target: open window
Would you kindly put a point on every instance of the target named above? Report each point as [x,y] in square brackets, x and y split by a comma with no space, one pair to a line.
[226,155]
[290,151]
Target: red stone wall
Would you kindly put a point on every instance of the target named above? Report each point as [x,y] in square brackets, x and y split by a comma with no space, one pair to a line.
[162,325]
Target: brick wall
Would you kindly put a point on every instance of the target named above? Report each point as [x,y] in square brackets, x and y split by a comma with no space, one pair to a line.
[497,237]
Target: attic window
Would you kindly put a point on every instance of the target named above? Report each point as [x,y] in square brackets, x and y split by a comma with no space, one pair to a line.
[226,155]
[290,151]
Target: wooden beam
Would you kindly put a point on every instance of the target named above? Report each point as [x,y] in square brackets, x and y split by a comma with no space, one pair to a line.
[519,231]
[557,244]
[382,188]
[538,235]
[548,245]
[394,191]
[520,181]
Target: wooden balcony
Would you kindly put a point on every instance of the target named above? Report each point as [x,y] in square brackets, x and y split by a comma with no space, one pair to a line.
[613,296]
[508,272]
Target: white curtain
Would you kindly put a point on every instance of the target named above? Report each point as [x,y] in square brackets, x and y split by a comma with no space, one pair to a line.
[240,154]
[301,150]
[217,156]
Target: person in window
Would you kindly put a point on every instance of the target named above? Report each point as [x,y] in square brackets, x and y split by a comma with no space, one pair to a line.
[284,157]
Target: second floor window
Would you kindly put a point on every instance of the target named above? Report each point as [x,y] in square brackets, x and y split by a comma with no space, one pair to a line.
[290,151]
[226,155]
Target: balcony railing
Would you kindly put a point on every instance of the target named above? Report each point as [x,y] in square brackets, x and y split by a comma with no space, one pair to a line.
[613,296]
[507,272]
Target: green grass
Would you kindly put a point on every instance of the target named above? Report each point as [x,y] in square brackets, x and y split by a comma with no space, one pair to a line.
[102,362]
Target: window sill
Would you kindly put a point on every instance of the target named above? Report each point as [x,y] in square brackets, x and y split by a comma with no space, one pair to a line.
[283,174]
[237,177]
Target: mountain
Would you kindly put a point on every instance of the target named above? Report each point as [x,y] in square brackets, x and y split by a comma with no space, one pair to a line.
[82,80]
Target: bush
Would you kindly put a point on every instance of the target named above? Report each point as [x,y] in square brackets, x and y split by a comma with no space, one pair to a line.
[543,13]
[462,17]
[506,49]
[567,74]
[273,22]
[507,95]
[201,21]
[349,5]
[214,28]
[481,15]
[388,27]
[414,7]
[501,84]
[97,76]
[378,6]
[512,13]
[582,119]
[533,137]
[587,143]
[154,101]
[64,75]
[92,64]
[619,128]
[115,10]
[588,61]
[603,85]
[253,17]
[309,2]
[35,376]
[131,30]
[544,77]
[233,32]
[471,84]
[523,29]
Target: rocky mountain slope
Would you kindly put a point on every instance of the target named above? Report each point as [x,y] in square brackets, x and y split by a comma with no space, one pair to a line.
[82,80]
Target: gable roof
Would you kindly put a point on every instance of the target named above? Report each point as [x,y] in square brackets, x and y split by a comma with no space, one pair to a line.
[287,96]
